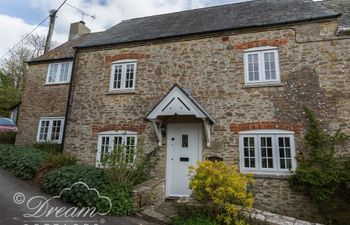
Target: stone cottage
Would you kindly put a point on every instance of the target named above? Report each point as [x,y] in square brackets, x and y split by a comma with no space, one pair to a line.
[228,82]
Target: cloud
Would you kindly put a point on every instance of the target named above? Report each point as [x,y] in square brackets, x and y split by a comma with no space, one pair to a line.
[13,29]
[107,13]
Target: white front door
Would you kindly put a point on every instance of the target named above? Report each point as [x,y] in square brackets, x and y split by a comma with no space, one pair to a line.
[184,148]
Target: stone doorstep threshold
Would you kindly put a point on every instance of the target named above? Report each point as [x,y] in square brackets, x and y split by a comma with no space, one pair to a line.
[255,216]
[152,213]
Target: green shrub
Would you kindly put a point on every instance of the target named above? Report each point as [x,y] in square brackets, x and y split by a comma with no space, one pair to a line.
[222,190]
[8,137]
[48,147]
[53,162]
[22,162]
[120,170]
[121,197]
[320,174]
[66,176]
[195,220]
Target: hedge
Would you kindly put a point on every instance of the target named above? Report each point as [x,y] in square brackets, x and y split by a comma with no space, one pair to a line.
[66,176]
[25,162]
[22,162]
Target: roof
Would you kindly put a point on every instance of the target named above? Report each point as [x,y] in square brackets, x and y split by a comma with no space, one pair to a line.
[65,50]
[178,101]
[213,19]
[341,6]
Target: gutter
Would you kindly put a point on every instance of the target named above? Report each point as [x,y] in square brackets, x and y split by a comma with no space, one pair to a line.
[31,62]
[69,103]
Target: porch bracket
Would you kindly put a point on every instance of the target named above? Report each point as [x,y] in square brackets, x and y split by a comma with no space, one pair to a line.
[157,131]
[207,131]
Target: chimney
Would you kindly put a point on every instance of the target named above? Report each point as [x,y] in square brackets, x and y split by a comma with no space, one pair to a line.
[77,29]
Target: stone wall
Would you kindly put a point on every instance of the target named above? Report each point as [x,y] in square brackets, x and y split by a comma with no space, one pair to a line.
[39,100]
[274,195]
[149,193]
[314,72]
[253,215]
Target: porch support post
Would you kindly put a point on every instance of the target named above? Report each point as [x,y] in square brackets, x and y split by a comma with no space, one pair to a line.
[157,131]
[207,131]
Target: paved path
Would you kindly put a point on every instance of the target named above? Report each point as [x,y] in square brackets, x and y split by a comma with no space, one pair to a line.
[12,213]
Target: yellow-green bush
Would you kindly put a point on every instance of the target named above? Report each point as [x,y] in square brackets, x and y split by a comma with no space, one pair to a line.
[222,190]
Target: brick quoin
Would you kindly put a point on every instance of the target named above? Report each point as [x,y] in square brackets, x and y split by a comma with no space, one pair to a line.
[127,55]
[260,43]
[139,128]
[237,127]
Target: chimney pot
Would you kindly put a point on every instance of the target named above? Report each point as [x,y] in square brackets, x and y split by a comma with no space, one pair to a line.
[77,29]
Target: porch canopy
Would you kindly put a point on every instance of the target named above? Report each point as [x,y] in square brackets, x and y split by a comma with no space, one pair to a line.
[179,102]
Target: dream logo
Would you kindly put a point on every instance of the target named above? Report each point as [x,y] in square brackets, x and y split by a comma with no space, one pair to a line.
[41,206]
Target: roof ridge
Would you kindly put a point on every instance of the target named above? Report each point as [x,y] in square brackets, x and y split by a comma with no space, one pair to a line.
[191,10]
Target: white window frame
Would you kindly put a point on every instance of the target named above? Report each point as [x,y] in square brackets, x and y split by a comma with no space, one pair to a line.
[112,135]
[124,64]
[49,132]
[57,78]
[275,134]
[261,65]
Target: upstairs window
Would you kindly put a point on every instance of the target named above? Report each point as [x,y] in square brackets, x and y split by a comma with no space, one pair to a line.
[59,73]
[261,65]
[50,129]
[267,151]
[123,75]
[108,141]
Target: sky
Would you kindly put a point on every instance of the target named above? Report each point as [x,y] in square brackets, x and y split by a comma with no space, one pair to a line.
[19,17]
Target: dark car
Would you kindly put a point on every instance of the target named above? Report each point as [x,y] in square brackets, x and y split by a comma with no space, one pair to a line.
[7,124]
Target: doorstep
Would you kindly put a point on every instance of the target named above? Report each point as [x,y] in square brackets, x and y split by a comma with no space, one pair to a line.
[164,212]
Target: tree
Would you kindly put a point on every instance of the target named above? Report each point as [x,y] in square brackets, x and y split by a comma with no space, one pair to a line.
[9,94]
[14,69]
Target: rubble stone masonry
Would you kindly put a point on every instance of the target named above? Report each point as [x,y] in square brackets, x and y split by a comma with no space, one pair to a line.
[39,100]
[315,72]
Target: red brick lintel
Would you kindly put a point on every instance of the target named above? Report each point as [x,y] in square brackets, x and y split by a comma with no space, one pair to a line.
[139,128]
[237,127]
[260,43]
[126,55]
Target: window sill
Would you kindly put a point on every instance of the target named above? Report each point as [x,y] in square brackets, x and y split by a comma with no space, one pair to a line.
[120,92]
[271,175]
[54,84]
[258,85]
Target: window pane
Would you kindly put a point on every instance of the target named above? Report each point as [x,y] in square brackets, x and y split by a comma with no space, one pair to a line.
[118,141]
[56,130]
[129,80]
[285,152]
[185,140]
[64,72]
[270,66]
[105,144]
[117,76]
[249,152]
[253,67]
[53,72]
[44,128]
[266,152]
[130,149]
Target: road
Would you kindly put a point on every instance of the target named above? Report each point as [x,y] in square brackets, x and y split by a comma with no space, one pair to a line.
[12,213]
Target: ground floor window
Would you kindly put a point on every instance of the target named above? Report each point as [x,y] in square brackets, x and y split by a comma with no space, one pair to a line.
[267,151]
[50,129]
[108,141]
